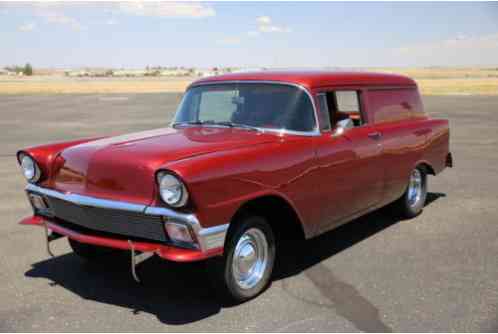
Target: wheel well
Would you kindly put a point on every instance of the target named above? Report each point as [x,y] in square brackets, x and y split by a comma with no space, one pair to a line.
[427,168]
[279,213]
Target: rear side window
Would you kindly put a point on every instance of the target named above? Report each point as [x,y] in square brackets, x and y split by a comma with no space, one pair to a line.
[344,104]
[347,101]
[391,105]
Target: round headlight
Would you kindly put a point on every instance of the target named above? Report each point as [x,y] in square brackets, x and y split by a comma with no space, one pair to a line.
[30,169]
[172,190]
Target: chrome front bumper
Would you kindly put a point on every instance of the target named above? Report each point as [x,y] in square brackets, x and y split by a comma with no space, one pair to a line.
[206,238]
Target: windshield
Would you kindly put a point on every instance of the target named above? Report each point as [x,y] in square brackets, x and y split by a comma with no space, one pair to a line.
[268,106]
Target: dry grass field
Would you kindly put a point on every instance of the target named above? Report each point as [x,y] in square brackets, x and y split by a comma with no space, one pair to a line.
[432,81]
[451,81]
[66,85]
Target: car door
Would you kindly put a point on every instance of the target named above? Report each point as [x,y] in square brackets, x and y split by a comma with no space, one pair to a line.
[347,162]
[368,177]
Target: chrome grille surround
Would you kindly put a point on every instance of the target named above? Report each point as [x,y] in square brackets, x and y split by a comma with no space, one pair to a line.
[99,213]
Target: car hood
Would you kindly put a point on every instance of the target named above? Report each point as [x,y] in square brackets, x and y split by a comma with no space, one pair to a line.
[123,167]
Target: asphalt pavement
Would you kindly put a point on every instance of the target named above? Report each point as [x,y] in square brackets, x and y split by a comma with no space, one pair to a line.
[437,272]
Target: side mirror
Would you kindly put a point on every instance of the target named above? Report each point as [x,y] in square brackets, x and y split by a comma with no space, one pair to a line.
[343,126]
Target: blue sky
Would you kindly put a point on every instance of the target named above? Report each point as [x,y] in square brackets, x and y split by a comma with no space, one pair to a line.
[283,34]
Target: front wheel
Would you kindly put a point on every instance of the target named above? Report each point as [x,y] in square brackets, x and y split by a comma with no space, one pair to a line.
[413,200]
[245,269]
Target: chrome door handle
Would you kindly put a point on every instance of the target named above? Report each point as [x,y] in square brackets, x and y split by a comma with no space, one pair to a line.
[375,135]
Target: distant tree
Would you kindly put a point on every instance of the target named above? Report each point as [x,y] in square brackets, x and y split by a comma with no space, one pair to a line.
[28,69]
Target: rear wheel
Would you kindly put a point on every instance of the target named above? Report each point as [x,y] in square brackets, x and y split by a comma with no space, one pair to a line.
[89,252]
[413,200]
[245,269]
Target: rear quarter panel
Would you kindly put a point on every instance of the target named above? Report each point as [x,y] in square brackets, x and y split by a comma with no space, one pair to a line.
[409,136]
[407,144]
[404,145]
[438,144]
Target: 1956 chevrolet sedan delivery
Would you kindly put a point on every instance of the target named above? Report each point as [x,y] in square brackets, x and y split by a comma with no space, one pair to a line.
[250,159]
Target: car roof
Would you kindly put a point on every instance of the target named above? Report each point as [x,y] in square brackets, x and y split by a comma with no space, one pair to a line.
[315,79]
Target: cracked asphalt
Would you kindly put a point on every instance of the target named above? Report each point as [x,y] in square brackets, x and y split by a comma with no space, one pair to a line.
[437,272]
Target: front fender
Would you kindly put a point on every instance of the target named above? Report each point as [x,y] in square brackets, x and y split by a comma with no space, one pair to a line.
[45,155]
[220,183]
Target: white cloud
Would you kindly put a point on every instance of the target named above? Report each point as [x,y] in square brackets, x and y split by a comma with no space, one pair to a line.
[460,42]
[229,41]
[111,22]
[57,17]
[167,9]
[462,50]
[265,25]
[263,20]
[30,26]
[271,28]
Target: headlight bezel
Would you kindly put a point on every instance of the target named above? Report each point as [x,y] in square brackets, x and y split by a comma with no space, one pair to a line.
[36,173]
[174,181]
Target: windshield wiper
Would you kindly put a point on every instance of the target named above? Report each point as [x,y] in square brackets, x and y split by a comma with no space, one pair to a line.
[220,123]
[187,123]
[239,125]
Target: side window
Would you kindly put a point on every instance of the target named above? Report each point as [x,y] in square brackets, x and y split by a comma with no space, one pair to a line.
[324,112]
[347,101]
[344,104]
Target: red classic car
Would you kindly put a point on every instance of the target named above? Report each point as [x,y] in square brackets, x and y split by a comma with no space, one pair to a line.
[250,159]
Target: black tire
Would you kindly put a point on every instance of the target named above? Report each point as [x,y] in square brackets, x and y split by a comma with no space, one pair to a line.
[89,252]
[408,208]
[221,269]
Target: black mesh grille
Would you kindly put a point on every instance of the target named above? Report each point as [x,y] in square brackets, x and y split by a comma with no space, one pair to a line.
[125,223]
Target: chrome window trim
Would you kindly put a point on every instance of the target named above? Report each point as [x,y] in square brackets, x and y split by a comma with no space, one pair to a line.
[323,95]
[314,132]
[207,238]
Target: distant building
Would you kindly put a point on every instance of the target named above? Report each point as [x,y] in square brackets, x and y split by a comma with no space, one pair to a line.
[207,73]
[129,73]
[77,73]
[175,72]
[243,70]
[4,71]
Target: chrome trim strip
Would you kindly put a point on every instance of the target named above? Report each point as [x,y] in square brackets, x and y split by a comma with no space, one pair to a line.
[172,215]
[315,132]
[87,200]
[213,237]
[213,230]
[207,238]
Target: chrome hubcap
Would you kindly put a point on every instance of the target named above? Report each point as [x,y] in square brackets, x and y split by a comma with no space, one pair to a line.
[250,258]
[415,188]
